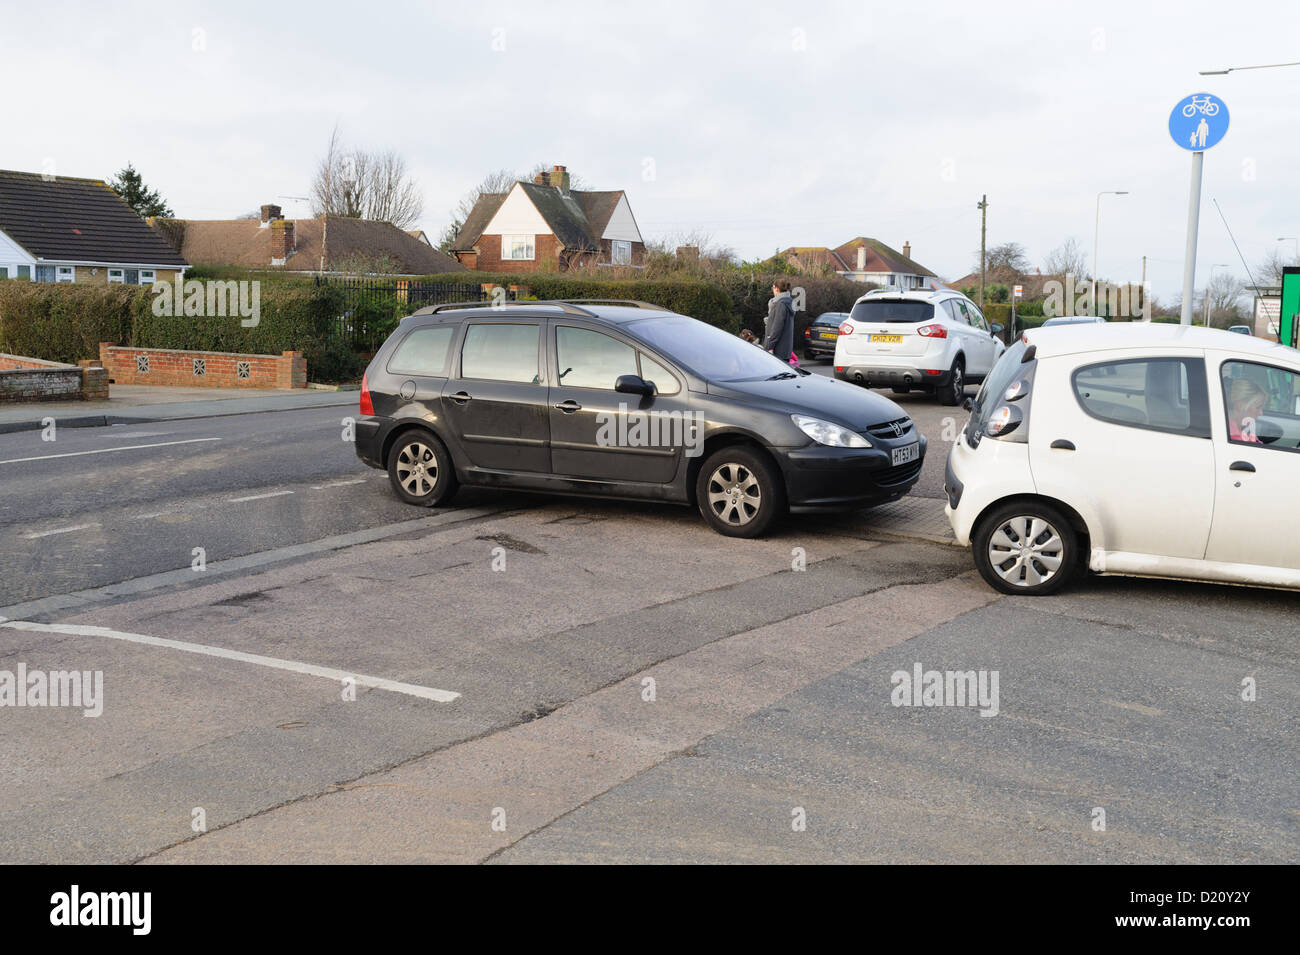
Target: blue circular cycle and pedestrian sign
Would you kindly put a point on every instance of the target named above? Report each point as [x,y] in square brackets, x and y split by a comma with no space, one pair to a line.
[1199,121]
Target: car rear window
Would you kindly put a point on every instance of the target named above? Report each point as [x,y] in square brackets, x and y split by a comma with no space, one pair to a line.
[423,352]
[892,310]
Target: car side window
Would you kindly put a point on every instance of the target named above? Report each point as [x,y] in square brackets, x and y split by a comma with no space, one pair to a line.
[1262,404]
[1158,394]
[977,318]
[423,352]
[664,380]
[960,313]
[500,352]
[589,359]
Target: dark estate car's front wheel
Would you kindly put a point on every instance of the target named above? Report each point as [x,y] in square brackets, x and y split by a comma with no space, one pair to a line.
[420,470]
[739,492]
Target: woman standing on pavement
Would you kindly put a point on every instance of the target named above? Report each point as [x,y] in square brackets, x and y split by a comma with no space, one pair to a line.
[778,337]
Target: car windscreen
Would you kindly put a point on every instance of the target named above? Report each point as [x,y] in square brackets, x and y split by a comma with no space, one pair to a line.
[710,352]
[892,310]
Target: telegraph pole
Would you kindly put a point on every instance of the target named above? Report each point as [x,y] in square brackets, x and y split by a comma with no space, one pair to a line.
[983,206]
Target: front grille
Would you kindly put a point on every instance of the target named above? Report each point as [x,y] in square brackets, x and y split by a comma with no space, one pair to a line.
[899,474]
[891,429]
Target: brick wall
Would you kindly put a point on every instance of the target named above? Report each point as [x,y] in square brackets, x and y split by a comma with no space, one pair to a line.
[546,255]
[199,369]
[30,379]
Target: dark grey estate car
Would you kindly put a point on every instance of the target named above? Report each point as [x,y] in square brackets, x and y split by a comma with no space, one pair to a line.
[623,399]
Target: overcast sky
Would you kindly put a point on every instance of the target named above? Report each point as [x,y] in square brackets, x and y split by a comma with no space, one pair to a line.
[765,124]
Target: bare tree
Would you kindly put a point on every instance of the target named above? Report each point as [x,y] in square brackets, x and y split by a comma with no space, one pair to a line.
[1224,294]
[1008,256]
[358,184]
[1269,271]
[1068,258]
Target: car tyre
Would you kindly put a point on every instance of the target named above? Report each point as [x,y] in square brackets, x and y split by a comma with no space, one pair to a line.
[900,390]
[739,492]
[1026,548]
[420,469]
[955,390]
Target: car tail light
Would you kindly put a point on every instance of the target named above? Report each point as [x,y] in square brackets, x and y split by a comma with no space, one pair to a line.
[807,333]
[846,328]
[932,331]
[366,407]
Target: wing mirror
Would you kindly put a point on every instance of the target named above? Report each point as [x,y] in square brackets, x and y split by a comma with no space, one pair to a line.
[968,403]
[634,385]
[998,328]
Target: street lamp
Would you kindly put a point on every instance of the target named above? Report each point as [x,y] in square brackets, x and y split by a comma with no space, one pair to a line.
[1234,69]
[1096,229]
[1209,285]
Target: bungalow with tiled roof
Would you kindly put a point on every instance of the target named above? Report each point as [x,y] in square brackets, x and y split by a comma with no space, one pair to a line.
[543,224]
[865,260]
[61,229]
[324,245]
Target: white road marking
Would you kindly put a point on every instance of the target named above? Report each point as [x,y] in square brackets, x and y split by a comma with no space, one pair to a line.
[60,530]
[258,497]
[129,447]
[321,487]
[309,669]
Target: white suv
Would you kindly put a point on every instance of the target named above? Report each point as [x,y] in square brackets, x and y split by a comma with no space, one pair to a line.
[923,340]
[1136,449]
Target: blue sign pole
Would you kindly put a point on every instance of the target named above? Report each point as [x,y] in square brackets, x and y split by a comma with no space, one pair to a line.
[1196,123]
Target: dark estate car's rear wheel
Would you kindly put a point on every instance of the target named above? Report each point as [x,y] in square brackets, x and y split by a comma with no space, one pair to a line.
[739,492]
[419,468]
[1025,548]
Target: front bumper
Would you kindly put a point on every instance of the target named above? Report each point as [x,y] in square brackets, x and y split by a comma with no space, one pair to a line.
[821,478]
[891,376]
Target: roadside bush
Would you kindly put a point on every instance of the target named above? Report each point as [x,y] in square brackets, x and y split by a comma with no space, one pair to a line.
[64,322]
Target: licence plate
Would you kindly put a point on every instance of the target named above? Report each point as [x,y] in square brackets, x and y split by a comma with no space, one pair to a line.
[829,336]
[886,339]
[907,453]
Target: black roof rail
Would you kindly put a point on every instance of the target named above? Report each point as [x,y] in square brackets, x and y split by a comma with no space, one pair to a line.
[454,306]
[635,303]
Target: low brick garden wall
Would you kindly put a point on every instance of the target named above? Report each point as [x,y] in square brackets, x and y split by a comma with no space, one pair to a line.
[30,379]
[198,369]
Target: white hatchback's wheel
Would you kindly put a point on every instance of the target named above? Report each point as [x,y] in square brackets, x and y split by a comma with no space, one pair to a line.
[1025,548]
[420,470]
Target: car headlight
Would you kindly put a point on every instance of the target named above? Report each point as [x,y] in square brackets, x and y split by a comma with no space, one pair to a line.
[831,435]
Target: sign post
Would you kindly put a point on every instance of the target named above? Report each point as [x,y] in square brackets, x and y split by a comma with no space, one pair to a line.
[1197,122]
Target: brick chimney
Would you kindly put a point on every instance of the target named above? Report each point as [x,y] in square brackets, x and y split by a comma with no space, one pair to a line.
[907,249]
[543,178]
[560,179]
[282,240]
[269,214]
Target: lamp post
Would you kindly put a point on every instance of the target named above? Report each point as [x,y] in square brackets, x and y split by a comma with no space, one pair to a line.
[1235,69]
[1096,230]
[1209,286]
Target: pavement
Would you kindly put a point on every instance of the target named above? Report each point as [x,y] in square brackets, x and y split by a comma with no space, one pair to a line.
[140,404]
[516,678]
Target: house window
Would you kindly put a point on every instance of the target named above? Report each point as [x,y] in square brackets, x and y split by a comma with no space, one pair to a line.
[146,276]
[24,271]
[45,273]
[4,271]
[621,252]
[516,247]
[114,276]
[66,273]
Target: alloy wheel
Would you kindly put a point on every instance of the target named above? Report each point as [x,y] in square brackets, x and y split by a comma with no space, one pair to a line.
[734,494]
[1025,551]
[417,469]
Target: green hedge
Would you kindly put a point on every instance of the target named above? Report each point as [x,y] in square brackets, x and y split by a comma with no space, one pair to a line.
[67,323]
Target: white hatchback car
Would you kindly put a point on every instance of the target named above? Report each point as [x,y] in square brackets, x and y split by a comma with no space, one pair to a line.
[933,340]
[1137,449]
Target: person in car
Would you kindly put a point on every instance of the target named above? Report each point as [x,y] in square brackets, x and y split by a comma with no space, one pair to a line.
[1246,401]
[779,336]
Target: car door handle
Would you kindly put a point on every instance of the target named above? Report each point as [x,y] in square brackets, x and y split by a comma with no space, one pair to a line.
[1242,466]
[568,406]
[460,397]
[1061,444]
